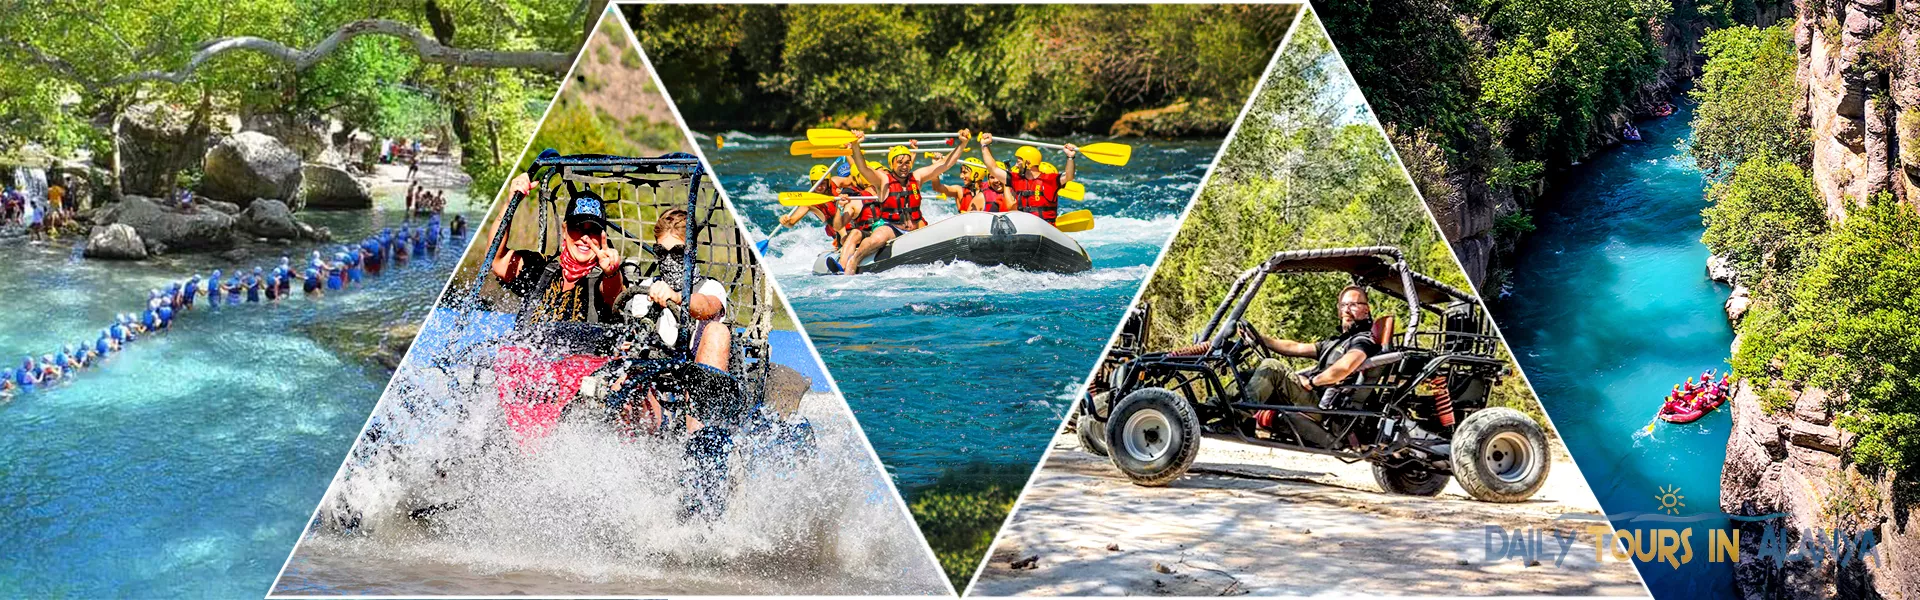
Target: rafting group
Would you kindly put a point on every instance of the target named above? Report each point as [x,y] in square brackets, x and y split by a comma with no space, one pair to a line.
[1009,213]
[348,266]
[1688,402]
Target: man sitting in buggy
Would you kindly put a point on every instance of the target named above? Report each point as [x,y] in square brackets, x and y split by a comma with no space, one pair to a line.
[1339,357]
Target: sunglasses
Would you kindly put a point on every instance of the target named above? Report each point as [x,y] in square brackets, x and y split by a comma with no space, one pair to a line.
[586,228]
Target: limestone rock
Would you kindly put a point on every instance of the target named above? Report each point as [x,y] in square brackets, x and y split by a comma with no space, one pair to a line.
[1737,305]
[199,229]
[332,187]
[117,241]
[249,165]
[1720,268]
[270,219]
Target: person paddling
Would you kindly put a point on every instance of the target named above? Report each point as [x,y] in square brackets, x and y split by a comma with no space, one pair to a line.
[1035,190]
[979,190]
[898,210]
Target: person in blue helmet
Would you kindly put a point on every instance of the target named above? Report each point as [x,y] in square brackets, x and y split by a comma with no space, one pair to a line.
[27,375]
[433,233]
[236,293]
[313,284]
[62,359]
[165,314]
[285,281]
[105,344]
[7,387]
[356,264]
[188,291]
[251,283]
[420,242]
[213,291]
[150,320]
[337,273]
[370,254]
[50,372]
[400,240]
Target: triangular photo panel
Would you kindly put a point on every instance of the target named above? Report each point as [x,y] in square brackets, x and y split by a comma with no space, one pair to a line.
[610,397]
[1029,163]
[1308,397]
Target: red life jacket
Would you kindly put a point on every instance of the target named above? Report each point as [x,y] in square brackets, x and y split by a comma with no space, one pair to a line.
[1040,196]
[830,210]
[990,200]
[901,203]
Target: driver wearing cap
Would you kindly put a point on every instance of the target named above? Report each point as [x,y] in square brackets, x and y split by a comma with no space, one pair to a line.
[1338,357]
[577,284]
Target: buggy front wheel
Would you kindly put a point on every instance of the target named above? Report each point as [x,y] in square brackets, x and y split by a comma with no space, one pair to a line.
[1153,436]
[1500,455]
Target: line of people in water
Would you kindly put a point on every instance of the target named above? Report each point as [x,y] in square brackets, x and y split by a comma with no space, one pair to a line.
[860,227]
[347,267]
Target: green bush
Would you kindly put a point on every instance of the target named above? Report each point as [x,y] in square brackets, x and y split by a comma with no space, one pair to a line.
[1767,219]
[1746,94]
[960,513]
[1851,325]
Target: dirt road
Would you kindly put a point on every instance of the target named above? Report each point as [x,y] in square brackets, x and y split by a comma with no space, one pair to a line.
[1248,520]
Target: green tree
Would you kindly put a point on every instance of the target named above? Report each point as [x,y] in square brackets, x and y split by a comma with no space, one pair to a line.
[1746,94]
[1558,65]
[1767,219]
[1851,325]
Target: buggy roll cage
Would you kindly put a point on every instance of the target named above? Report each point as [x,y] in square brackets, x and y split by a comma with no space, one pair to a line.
[726,252]
[1382,268]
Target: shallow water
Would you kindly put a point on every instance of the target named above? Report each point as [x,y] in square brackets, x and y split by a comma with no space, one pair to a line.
[954,364]
[586,512]
[187,464]
[1610,307]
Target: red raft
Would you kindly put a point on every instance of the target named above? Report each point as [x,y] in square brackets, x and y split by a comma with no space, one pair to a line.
[1713,397]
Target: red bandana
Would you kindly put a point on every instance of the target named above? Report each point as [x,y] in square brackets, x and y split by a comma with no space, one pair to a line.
[571,269]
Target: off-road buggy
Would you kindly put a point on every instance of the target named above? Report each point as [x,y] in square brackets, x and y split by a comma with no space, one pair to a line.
[483,346]
[1417,411]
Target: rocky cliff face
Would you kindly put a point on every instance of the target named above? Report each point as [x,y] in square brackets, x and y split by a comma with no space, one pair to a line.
[1860,73]
[1793,462]
[1860,78]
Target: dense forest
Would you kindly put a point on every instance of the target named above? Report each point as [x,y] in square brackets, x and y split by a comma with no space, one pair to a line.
[1307,169]
[1487,99]
[1125,70]
[1834,303]
[92,81]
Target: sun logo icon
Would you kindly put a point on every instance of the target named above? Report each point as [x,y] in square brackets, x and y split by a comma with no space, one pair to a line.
[1670,499]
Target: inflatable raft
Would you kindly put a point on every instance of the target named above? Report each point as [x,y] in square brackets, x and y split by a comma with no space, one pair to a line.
[1015,239]
[1715,396]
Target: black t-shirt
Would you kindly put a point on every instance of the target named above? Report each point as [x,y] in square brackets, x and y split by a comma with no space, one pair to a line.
[1359,337]
[554,304]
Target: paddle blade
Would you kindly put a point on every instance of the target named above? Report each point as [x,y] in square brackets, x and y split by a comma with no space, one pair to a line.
[1108,153]
[1079,220]
[761,246]
[803,198]
[830,152]
[801,147]
[829,137]
[719,142]
[1073,191]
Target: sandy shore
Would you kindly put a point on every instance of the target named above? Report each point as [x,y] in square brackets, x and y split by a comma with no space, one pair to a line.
[1248,520]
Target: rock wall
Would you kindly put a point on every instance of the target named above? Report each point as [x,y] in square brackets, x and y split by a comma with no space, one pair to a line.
[1860,76]
[1794,462]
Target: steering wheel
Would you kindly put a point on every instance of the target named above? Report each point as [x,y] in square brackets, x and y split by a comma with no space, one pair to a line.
[1252,337]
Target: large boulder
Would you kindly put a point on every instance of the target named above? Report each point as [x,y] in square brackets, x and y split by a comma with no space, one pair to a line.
[1720,268]
[198,229]
[1737,305]
[249,165]
[117,241]
[269,219]
[332,187]
[157,141]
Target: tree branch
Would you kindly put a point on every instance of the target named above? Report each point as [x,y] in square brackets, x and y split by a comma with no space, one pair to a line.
[429,49]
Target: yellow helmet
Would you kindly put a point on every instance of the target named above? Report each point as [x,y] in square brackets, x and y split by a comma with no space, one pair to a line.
[972,165]
[1028,154]
[897,151]
[1047,168]
[817,172]
[1000,163]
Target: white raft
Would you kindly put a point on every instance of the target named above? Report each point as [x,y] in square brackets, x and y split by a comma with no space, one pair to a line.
[1015,239]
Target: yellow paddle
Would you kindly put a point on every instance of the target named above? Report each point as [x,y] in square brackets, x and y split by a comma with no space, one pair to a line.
[810,198]
[1073,190]
[1106,153]
[802,147]
[1079,220]
[840,137]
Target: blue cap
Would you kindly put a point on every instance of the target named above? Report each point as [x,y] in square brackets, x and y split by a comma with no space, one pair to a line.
[586,206]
